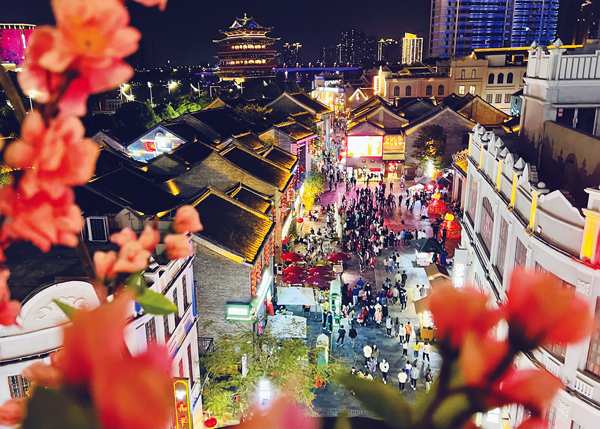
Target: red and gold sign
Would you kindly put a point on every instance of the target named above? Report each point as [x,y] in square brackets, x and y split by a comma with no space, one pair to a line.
[452,228]
[437,206]
[182,404]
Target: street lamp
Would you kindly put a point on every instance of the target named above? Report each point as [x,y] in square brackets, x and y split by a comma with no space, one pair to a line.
[151,101]
[172,85]
[123,88]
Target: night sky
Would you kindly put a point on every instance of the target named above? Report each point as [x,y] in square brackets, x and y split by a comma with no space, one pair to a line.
[184,32]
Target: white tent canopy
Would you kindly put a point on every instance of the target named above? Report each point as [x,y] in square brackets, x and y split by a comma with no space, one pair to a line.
[295,296]
[283,326]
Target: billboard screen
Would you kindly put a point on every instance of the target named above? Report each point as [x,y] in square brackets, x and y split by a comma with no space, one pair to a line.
[359,146]
[13,42]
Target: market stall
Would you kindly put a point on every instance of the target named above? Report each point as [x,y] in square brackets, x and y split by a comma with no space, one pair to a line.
[287,326]
[425,248]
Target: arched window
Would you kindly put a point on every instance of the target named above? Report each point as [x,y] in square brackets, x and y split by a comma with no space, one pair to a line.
[487,225]
[509,78]
[408,91]
[396,91]
[462,74]
[500,78]
[428,90]
[441,90]
[472,207]
[473,74]
[491,79]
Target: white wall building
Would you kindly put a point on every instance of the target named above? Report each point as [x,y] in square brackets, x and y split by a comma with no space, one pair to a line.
[412,49]
[513,219]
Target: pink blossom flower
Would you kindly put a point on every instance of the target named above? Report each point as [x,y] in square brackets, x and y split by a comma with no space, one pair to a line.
[53,157]
[44,375]
[132,258]
[446,302]
[187,220]
[162,4]
[40,219]
[149,238]
[104,264]
[540,310]
[177,246]
[9,310]
[13,412]
[479,357]
[124,236]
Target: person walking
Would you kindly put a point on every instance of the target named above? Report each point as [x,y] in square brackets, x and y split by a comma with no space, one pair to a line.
[352,334]
[402,333]
[388,326]
[428,380]
[390,262]
[367,353]
[372,366]
[408,330]
[402,377]
[375,353]
[416,349]
[378,315]
[341,334]
[414,376]
[405,349]
[384,367]
[396,327]
[426,351]
[355,292]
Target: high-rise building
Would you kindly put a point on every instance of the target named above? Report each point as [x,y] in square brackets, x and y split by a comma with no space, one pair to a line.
[291,54]
[246,52]
[352,47]
[456,28]
[412,49]
[13,42]
[370,51]
[330,55]
[388,50]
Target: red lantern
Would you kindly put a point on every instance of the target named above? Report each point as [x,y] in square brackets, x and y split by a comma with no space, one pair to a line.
[210,422]
[300,220]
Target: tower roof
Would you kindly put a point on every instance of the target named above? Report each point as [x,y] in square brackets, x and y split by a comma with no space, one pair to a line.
[246,23]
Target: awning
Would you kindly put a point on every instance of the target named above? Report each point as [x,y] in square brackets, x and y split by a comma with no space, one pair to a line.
[421,305]
[436,270]
[394,157]
[295,296]
[440,281]
[283,326]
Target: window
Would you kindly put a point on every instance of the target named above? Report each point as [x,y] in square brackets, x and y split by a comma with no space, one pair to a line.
[181,368]
[472,202]
[509,78]
[190,363]
[565,116]
[491,79]
[507,98]
[520,254]
[461,90]
[498,98]
[500,78]
[575,425]
[441,90]
[502,248]
[487,225]
[586,119]
[176,302]
[428,90]
[473,74]
[166,327]
[19,386]
[408,91]
[396,91]
[489,98]
[593,359]
[150,331]
[551,417]
[186,302]
[462,74]
[472,89]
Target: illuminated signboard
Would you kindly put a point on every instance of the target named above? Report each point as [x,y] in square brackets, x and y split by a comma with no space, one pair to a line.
[359,146]
[182,404]
[460,266]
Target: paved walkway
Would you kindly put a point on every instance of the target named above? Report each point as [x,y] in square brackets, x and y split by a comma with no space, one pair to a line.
[333,398]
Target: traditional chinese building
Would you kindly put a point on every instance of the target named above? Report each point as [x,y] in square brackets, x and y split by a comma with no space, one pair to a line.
[246,52]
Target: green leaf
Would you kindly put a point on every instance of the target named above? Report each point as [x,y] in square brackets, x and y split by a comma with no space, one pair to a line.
[156,303]
[343,422]
[381,399]
[66,308]
[60,409]
[445,414]
[136,283]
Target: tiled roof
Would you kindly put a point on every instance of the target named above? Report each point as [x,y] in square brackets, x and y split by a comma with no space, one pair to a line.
[223,120]
[281,157]
[311,103]
[251,198]
[250,140]
[94,204]
[257,166]
[232,225]
[295,130]
[191,153]
[187,132]
[126,135]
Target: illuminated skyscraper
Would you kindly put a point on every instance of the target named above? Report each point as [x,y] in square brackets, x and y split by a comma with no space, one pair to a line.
[458,27]
[13,42]
[412,49]
[291,54]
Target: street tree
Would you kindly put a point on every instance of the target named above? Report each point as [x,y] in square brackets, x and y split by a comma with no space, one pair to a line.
[186,104]
[8,122]
[253,113]
[290,366]
[431,145]
[134,113]
[165,111]
[272,90]
[314,185]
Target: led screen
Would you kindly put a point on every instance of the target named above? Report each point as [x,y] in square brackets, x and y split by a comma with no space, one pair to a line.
[364,146]
[12,44]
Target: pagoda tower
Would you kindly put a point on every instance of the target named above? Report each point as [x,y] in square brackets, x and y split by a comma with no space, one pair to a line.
[246,52]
